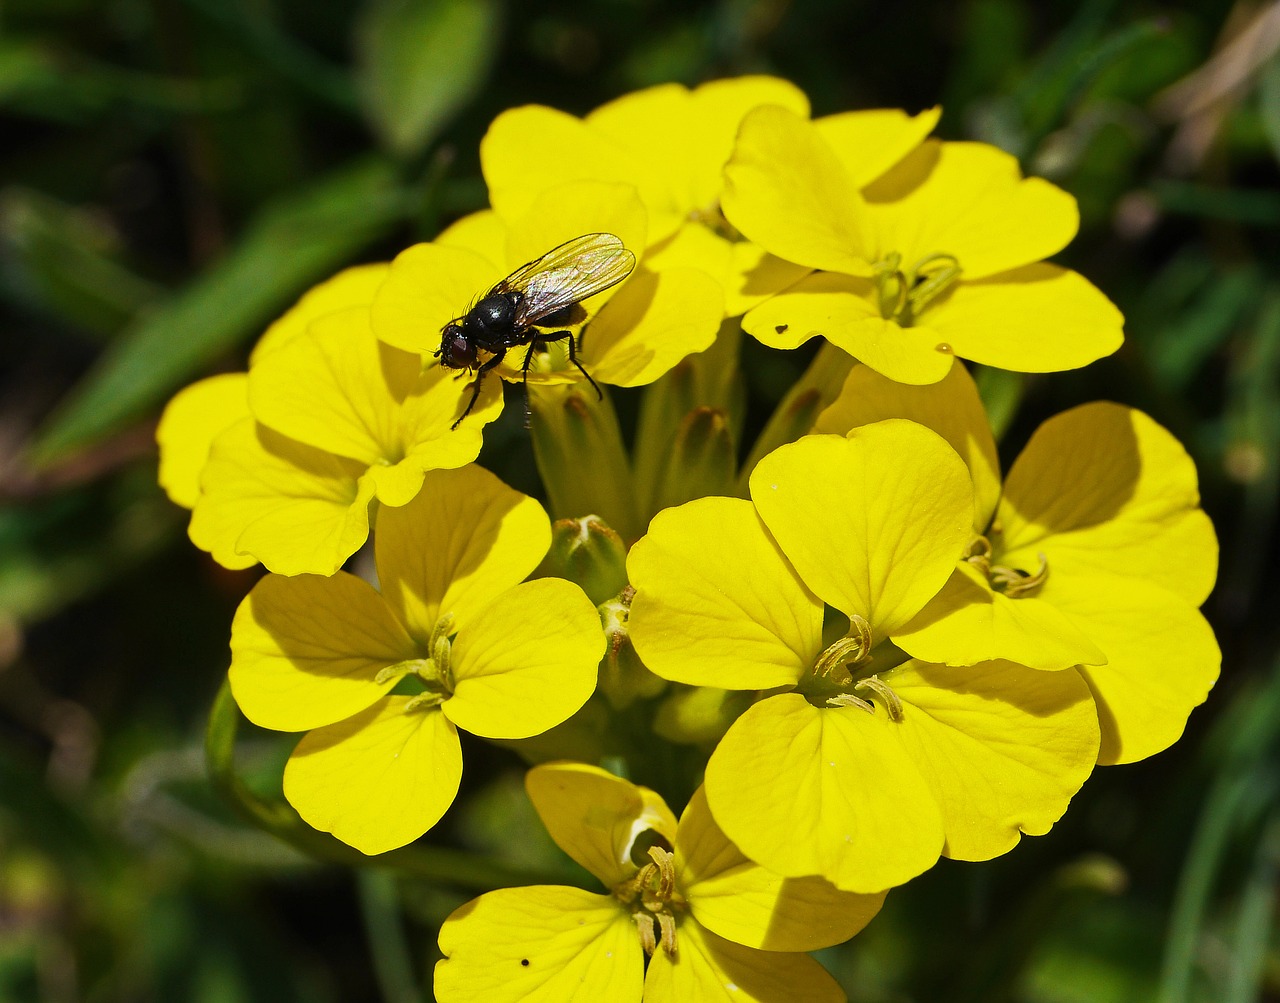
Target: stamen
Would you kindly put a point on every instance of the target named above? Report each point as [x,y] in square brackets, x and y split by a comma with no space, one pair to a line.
[644,926]
[892,703]
[1015,583]
[653,899]
[423,701]
[903,295]
[980,554]
[849,650]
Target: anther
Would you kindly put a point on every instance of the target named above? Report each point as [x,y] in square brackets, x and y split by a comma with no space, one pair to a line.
[892,703]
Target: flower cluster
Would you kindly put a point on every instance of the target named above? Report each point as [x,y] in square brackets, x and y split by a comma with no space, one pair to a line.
[856,653]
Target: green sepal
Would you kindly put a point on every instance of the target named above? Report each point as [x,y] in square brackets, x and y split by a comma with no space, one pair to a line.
[794,417]
[623,677]
[702,460]
[590,554]
[578,447]
[698,715]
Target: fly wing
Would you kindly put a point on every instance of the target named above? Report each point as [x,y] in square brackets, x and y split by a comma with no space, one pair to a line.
[568,274]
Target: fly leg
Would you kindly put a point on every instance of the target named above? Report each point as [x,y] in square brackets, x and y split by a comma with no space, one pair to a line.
[573,357]
[492,361]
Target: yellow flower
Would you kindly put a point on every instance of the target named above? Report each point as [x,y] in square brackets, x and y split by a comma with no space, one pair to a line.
[280,465]
[714,923]
[942,256]
[1096,551]
[857,764]
[671,144]
[632,333]
[381,681]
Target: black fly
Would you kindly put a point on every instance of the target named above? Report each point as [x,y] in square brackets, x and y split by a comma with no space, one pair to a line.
[538,295]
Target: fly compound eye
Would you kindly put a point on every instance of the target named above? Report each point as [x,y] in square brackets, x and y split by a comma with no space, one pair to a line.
[456,350]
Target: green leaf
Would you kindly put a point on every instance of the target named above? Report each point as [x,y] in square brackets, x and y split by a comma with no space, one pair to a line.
[420,62]
[293,244]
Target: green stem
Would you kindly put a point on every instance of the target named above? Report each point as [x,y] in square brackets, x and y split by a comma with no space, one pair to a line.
[388,947]
[431,863]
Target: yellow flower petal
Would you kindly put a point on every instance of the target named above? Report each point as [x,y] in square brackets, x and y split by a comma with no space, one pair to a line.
[710,968]
[462,542]
[969,200]
[869,142]
[483,233]
[747,274]
[805,791]
[716,603]
[595,817]
[1162,660]
[1104,488]
[379,779]
[951,407]
[543,944]
[842,309]
[428,286]
[532,149]
[738,899]
[336,388]
[350,287]
[968,622]
[190,423]
[1035,319]
[305,650]
[652,323]
[525,662]
[267,498]
[873,523]
[788,192]
[570,210]
[1004,748]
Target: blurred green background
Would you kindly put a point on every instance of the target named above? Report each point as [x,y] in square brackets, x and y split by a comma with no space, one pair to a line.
[173,173]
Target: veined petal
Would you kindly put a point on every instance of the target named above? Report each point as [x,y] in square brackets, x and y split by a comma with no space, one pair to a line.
[350,287]
[788,192]
[747,274]
[716,603]
[652,323]
[873,523]
[532,149]
[336,388]
[428,286]
[543,944]
[305,651]
[842,309]
[807,791]
[595,817]
[1162,660]
[969,622]
[747,904]
[428,439]
[686,136]
[570,210]
[1104,488]
[526,661]
[951,407]
[267,498]
[710,969]
[191,421]
[483,233]
[462,542]
[379,779]
[1003,747]
[1035,319]
[869,142]
[969,200]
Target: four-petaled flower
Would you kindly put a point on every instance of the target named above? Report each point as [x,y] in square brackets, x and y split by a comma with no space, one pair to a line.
[713,923]
[856,763]
[942,256]
[1095,553]
[381,681]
